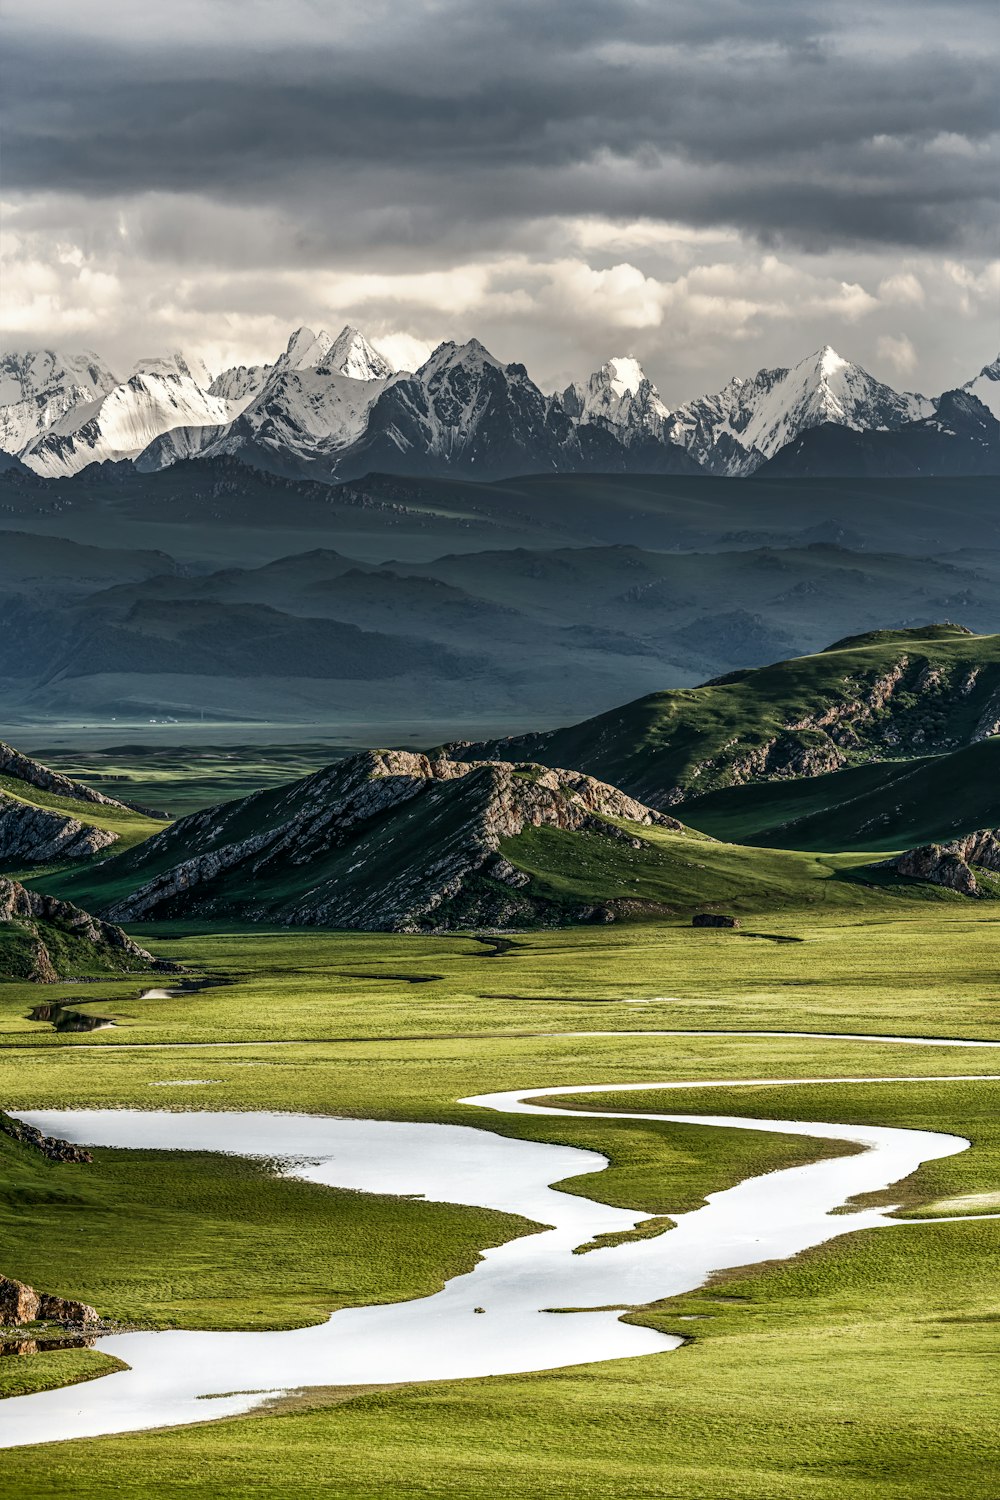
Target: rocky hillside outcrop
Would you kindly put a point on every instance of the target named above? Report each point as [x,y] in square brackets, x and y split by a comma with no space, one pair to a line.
[50,1146]
[38,835]
[954,865]
[33,773]
[388,841]
[889,695]
[44,940]
[20,1303]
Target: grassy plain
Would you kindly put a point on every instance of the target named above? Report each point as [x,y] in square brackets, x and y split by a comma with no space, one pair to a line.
[181,781]
[861,1371]
[46,1371]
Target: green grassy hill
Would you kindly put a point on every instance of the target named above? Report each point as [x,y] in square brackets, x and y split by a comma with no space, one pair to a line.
[129,825]
[390,841]
[47,817]
[886,696]
[43,939]
[882,806]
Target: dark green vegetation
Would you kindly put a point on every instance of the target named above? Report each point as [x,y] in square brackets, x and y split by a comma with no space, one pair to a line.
[43,940]
[872,698]
[672,872]
[861,1371]
[210,591]
[384,840]
[392,841]
[883,805]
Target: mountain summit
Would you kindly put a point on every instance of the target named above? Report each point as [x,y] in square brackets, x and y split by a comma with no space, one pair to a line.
[336,409]
[749,420]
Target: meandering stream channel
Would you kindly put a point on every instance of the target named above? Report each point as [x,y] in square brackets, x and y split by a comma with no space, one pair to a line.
[503,1316]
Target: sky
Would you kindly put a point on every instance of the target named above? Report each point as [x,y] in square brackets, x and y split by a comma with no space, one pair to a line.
[712,186]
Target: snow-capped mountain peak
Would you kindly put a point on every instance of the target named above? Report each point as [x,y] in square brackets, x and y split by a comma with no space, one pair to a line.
[37,388]
[123,422]
[619,397]
[351,354]
[986,387]
[828,362]
[449,355]
[749,420]
[305,350]
[335,408]
[625,375]
[175,364]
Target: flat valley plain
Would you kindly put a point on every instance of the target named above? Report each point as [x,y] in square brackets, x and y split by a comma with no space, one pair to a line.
[864,1368]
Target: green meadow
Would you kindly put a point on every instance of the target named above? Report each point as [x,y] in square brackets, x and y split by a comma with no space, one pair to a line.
[865,1368]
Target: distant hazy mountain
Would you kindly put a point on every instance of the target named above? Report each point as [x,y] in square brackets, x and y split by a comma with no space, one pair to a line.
[334,408]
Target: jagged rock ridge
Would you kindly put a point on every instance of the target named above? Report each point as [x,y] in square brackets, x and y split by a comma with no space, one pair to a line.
[33,773]
[38,835]
[44,939]
[32,834]
[386,841]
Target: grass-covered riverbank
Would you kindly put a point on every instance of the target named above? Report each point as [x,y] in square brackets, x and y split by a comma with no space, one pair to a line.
[859,1371]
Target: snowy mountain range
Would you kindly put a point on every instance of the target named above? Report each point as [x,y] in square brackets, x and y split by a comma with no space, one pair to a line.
[336,409]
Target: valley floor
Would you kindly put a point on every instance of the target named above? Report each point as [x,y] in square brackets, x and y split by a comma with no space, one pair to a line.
[864,1368]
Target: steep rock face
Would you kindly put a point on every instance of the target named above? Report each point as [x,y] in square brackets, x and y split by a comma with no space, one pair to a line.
[620,397]
[51,927]
[461,411]
[385,841]
[961,436]
[121,424]
[952,865]
[38,834]
[33,773]
[986,387]
[297,413]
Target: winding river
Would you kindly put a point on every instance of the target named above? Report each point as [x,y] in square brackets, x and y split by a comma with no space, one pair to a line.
[503,1317]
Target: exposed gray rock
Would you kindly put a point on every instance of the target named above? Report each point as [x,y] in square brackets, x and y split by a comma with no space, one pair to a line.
[415,872]
[713,919]
[24,908]
[37,835]
[953,864]
[33,773]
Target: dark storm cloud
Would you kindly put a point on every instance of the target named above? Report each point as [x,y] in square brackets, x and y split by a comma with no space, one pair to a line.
[455,124]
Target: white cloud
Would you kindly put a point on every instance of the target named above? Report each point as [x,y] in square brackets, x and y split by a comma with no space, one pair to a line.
[402,349]
[228,284]
[902,288]
[897,350]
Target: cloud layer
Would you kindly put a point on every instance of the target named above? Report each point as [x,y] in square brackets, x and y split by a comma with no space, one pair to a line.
[565,179]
